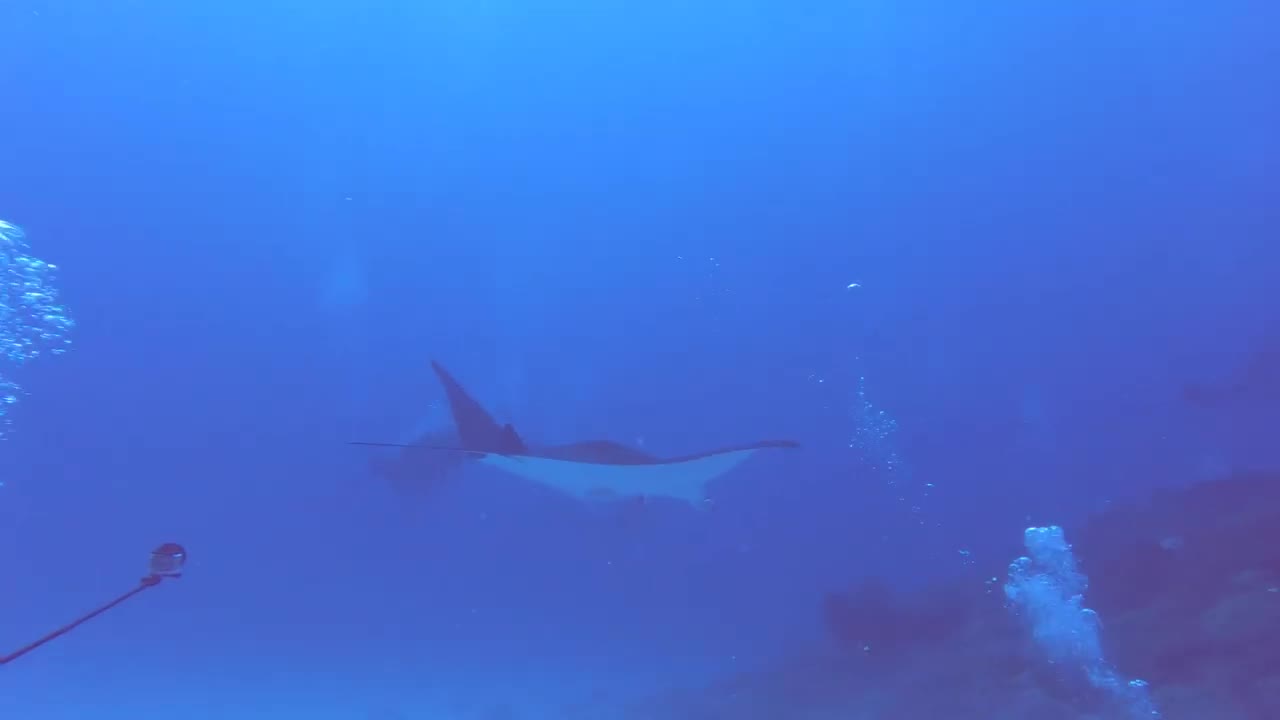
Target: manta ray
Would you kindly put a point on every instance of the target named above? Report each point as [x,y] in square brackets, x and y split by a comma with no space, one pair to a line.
[589,470]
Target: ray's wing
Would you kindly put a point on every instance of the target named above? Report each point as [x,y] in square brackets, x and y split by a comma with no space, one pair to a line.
[477,430]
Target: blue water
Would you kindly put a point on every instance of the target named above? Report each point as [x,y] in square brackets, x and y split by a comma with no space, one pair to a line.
[966,255]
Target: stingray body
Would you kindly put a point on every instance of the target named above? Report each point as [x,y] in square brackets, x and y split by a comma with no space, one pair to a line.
[423,466]
[588,470]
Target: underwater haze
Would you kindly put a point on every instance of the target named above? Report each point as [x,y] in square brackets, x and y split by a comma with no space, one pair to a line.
[1004,272]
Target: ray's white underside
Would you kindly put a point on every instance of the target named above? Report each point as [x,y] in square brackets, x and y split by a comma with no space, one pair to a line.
[684,480]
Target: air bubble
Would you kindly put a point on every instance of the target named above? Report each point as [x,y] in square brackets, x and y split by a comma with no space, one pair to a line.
[32,321]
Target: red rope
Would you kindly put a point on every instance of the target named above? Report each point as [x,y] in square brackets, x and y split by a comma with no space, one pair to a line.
[147,582]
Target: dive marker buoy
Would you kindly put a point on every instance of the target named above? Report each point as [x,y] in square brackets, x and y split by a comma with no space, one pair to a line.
[166,561]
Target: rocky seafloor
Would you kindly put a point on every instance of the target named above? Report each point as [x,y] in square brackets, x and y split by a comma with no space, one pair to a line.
[1187,587]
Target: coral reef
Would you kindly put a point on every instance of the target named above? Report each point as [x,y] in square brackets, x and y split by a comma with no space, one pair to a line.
[1187,587]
